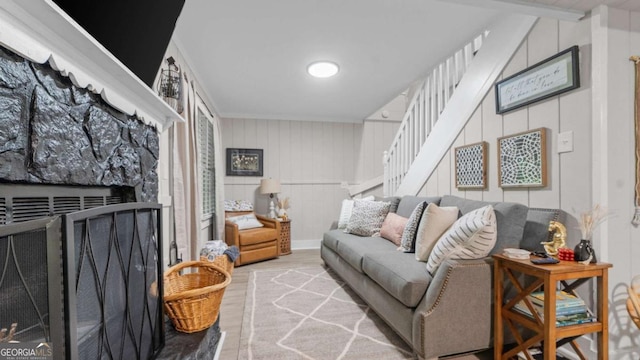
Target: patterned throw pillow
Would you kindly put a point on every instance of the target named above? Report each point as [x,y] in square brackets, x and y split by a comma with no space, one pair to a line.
[345,211]
[408,242]
[470,237]
[367,217]
[392,227]
[435,221]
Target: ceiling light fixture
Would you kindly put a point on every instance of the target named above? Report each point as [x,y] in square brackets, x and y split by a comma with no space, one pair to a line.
[323,69]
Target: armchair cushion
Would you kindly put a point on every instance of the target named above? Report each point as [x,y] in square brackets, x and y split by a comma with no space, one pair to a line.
[257,236]
[248,221]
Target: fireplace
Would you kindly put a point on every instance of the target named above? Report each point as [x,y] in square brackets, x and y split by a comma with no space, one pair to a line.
[80,231]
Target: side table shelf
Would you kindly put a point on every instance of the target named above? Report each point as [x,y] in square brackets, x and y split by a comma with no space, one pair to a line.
[566,276]
[285,237]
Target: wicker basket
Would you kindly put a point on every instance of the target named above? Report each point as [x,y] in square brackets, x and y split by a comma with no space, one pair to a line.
[222,261]
[192,300]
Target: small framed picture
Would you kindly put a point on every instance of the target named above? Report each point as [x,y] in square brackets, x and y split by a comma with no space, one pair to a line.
[522,159]
[244,162]
[471,166]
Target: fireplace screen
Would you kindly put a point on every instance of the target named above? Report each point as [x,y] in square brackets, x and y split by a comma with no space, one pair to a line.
[31,283]
[114,297]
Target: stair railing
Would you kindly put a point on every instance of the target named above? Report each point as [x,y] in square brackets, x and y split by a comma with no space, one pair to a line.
[423,112]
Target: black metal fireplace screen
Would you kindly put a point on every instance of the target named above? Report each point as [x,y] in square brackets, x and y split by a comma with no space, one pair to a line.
[107,260]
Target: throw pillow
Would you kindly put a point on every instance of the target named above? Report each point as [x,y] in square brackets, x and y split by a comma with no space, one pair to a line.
[408,242]
[435,221]
[345,211]
[470,237]
[392,227]
[367,217]
[248,221]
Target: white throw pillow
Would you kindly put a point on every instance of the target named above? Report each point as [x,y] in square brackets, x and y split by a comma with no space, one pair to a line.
[435,221]
[347,209]
[472,236]
[248,221]
[367,217]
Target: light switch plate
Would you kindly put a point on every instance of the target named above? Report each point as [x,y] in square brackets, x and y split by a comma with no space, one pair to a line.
[565,142]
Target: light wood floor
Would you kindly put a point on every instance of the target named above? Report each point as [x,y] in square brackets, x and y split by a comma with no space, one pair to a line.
[232,309]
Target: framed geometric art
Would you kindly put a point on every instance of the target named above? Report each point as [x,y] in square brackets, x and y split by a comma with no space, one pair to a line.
[522,159]
[244,162]
[471,166]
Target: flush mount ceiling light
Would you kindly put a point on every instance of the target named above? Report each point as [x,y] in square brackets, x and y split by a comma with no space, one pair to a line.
[322,69]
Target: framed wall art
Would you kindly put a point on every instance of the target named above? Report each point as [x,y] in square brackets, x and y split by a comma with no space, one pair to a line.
[244,162]
[522,159]
[471,166]
[552,76]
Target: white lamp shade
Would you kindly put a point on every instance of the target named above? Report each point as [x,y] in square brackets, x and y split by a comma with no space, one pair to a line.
[269,186]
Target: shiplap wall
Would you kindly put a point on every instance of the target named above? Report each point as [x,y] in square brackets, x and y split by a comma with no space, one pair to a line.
[311,160]
[575,178]
[570,171]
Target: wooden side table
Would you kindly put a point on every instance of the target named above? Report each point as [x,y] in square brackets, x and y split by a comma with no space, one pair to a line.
[285,237]
[546,331]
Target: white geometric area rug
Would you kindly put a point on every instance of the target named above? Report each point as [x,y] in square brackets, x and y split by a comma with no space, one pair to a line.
[309,313]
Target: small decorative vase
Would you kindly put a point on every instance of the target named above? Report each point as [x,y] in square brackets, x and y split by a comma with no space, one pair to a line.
[584,252]
[282,213]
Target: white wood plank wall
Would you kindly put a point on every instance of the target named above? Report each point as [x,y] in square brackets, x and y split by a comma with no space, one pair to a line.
[311,160]
[589,174]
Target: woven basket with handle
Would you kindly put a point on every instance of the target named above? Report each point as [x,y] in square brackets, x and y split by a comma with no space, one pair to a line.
[192,299]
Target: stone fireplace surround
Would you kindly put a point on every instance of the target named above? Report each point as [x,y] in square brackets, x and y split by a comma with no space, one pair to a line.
[52,132]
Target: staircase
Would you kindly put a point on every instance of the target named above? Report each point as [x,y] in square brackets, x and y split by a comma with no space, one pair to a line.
[445,101]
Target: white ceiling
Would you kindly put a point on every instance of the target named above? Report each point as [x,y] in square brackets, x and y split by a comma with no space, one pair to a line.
[250,56]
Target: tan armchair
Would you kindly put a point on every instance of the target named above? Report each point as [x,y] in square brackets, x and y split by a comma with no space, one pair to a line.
[254,244]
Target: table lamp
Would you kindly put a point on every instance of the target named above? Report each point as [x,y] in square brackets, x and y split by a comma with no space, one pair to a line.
[270,186]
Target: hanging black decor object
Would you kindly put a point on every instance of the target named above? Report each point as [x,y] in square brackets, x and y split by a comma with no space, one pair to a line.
[170,85]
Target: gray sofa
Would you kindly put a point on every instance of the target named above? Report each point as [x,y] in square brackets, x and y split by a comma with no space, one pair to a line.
[444,314]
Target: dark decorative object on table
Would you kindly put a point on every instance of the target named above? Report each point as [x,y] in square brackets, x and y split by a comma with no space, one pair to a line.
[584,251]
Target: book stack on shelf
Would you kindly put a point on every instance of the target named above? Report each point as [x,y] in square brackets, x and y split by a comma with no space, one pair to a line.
[570,309]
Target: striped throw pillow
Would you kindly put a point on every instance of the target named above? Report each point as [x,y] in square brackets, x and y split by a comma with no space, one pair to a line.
[472,236]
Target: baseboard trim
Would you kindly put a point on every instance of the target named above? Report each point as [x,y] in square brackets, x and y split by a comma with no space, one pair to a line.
[305,244]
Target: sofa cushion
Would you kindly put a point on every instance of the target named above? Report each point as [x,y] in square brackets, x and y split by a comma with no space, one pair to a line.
[399,274]
[470,237]
[536,230]
[408,204]
[330,238]
[367,217]
[435,221]
[510,219]
[352,248]
[393,200]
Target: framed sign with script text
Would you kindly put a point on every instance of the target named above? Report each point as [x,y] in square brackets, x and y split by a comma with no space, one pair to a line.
[549,77]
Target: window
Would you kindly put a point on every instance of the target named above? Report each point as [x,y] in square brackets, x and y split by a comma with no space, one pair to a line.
[207,162]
